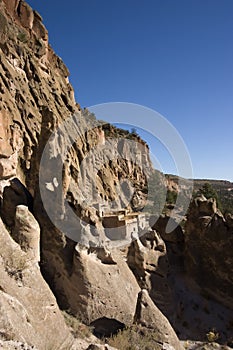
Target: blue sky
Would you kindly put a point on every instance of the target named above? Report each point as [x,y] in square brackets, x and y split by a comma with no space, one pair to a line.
[174,56]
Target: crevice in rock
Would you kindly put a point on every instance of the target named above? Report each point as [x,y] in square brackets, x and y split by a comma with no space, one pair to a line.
[14,195]
[18,8]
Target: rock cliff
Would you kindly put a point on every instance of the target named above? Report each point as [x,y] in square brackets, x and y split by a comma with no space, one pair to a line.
[43,129]
[60,194]
[208,251]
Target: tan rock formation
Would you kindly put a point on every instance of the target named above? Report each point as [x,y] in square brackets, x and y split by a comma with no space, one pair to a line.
[96,284]
[29,312]
[26,232]
[209,244]
[36,96]
[14,193]
[5,147]
[100,288]
[14,345]
[147,258]
[175,236]
[149,316]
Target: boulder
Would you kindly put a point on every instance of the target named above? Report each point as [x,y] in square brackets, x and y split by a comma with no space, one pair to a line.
[100,289]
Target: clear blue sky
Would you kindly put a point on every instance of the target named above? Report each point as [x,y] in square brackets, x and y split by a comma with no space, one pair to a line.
[174,56]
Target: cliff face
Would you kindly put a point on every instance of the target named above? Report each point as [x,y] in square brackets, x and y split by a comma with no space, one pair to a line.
[208,251]
[94,283]
[33,80]
[36,97]
[61,173]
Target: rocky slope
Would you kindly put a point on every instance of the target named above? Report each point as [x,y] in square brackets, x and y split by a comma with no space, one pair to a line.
[55,184]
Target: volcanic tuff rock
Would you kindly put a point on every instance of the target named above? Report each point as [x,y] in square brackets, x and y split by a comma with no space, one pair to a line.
[15,345]
[94,283]
[208,249]
[27,304]
[98,288]
[149,316]
[35,97]
[147,257]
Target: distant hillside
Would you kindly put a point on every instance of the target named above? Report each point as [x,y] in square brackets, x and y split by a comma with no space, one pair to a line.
[223,188]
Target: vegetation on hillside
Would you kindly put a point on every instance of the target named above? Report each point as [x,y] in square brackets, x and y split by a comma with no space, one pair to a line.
[112,131]
[208,191]
[221,190]
[136,337]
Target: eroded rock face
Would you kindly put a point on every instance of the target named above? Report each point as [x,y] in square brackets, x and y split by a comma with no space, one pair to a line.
[14,193]
[209,244]
[29,312]
[149,316]
[145,253]
[94,283]
[175,236]
[26,232]
[36,97]
[5,135]
[147,257]
[99,288]
[10,144]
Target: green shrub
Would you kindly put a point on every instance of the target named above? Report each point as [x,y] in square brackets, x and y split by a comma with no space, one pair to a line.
[171,197]
[135,338]
[22,37]
[209,192]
